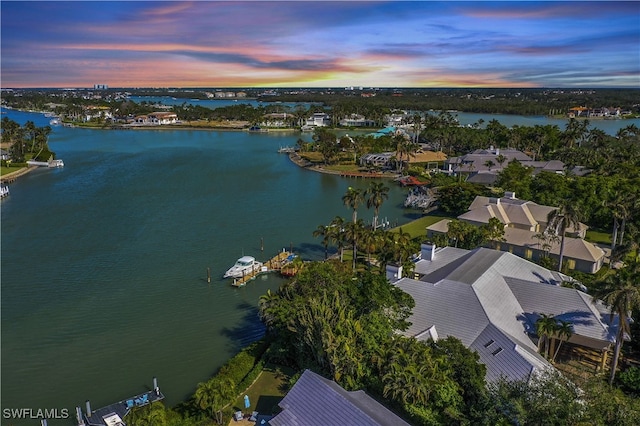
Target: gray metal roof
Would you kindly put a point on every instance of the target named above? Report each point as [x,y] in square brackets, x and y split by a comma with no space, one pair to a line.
[486,294]
[451,306]
[568,304]
[503,357]
[316,401]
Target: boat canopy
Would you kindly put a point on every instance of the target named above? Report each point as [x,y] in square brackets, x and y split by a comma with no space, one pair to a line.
[246,260]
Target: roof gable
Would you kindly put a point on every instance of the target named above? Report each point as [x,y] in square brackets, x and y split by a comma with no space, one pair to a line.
[316,401]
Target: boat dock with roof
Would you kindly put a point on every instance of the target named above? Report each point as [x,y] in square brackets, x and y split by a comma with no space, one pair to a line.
[113,415]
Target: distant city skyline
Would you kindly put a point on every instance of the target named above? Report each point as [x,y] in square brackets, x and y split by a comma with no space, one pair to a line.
[320,44]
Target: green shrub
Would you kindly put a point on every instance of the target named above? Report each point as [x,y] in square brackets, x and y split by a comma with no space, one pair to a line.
[630,380]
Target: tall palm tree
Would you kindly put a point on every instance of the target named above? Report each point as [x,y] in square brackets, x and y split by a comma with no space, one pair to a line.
[336,234]
[561,219]
[375,195]
[545,328]
[563,332]
[353,234]
[352,199]
[620,291]
[30,130]
[324,232]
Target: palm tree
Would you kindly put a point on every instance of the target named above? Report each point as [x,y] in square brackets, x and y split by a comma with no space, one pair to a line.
[324,232]
[336,234]
[375,195]
[353,233]
[265,303]
[616,204]
[620,291]
[30,130]
[205,396]
[352,199]
[564,331]
[494,231]
[371,238]
[489,164]
[545,327]
[561,219]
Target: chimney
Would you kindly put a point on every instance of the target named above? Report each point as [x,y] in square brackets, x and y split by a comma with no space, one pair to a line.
[493,200]
[427,251]
[510,194]
[497,151]
[394,272]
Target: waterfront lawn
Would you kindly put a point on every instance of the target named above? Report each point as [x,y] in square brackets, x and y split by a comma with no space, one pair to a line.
[5,170]
[418,227]
[267,391]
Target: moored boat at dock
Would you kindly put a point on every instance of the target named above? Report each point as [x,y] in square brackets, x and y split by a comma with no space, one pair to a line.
[243,266]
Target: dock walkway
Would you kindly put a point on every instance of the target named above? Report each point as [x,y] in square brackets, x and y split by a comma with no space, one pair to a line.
[115,413]
[276,263]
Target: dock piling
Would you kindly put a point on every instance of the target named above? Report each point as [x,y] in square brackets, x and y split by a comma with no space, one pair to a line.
[79,416]
[88,404]
[208,280]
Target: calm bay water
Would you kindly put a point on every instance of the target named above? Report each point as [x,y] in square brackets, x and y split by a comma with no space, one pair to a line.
[104,261]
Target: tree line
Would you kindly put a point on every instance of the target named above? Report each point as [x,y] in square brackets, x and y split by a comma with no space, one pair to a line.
[27,141]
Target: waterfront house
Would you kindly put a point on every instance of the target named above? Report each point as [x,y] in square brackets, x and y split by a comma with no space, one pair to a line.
[491,300]
[356,120]
[382,160]
[4,155]
[524,222]
[276,119]
[318,119]
[316,401]
[157,118]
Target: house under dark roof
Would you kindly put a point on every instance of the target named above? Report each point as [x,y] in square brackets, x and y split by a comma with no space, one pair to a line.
[316,401]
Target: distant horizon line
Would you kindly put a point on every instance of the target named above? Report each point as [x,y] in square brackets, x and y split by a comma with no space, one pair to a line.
[354,88]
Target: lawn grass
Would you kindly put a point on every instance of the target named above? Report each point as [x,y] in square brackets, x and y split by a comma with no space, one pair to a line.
[598,237]
[417,228]
[267,391]
[6,170]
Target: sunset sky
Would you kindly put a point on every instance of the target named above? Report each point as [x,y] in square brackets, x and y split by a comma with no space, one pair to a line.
[320,44]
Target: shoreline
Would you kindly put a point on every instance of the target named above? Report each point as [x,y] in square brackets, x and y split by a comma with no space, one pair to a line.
[301,162]
[10,177]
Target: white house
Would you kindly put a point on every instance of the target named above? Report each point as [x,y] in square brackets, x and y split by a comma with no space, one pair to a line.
[318,119]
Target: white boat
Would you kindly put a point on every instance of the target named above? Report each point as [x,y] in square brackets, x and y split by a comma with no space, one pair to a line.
[244,265]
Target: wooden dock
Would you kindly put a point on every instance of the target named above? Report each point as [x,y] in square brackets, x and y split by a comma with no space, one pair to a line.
[274,264]
[114,414]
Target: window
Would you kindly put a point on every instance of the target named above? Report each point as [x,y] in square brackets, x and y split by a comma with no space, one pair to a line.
[528,253]
[496,352]
[571,264]
[489,343]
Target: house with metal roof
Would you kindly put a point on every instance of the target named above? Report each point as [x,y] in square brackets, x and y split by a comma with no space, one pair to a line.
[316,401]
[483,165]
[491,300]
[524,221]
